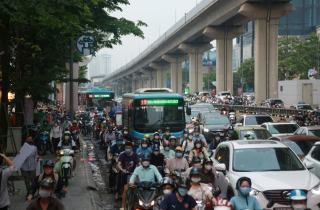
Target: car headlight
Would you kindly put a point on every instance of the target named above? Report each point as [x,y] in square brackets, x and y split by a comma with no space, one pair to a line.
[316,189]
[206,130]
[152,202]
[254,192]
[140,203]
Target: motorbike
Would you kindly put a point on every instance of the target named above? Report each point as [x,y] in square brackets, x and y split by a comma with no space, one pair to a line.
[232,117]
[65,165]
[186,155]
[44,142]
[144,197]
[75,137]
[86,129]
[177,173]
[224,113]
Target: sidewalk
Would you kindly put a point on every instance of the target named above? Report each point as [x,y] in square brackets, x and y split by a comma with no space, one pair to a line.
[78,196]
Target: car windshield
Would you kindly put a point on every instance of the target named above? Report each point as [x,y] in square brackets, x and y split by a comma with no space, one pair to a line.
[203,115]
[314,133]
[285,128]
[188,120]
[201,108]
[277,101]
[307,107]
[216,120]
[265,159]
[256,133]
[194,113]
[301,147]
[258,120]
[225,94]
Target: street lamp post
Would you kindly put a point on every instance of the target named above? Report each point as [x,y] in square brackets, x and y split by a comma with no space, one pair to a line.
[175,15]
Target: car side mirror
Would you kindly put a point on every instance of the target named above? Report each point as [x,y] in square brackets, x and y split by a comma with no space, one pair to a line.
[221,167]
[238,124]
[309,165]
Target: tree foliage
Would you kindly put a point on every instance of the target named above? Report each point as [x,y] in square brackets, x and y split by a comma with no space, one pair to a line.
[212,78]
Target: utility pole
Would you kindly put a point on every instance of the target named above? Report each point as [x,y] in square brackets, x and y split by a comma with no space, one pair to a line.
[71,78]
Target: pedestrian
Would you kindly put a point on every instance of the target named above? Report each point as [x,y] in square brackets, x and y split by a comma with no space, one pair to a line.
[55,135]
[244,200]
[5,174]
[28,168]
[45,200]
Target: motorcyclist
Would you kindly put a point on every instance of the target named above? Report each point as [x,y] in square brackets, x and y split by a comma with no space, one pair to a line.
[196,162]
[166,149]
[246,111]
[282,118]
[294,119]
[207,174]
[199,190]
[198,150]
[157,158]
[298,200]
[166,135]
[148,137]
[74,126]
[188,144]
[145,172]
[167,187]
[99,128]
[125,133]
[48,167]
[176,162]
[65,124]
[244,200]
[179,200]
[46,127]
[156,140]
[110,136]
[197,135]
[173,143]
[184,136]
[215,142]
[315,121]
[68,142]
[231,135]
[231,109]
[307,122]
[144,149]
[223,109]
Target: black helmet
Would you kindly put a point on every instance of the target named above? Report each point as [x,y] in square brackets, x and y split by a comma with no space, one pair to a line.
[196,129]
[195,171]
[48,163]
[247,135]
[196,158]
[230,128]
[185,131]
[207,160]
[119,137]
[48,182]
[167,128]
[155,147]
[166,181]
[197,141]
[183,182]
[110,127]
[45,120]
[217,134]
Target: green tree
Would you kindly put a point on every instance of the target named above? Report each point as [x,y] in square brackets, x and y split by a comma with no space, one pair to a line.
[212,78]
[248,74]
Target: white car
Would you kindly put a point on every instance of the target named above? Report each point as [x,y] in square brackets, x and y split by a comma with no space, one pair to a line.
[274,169]
[253,119]
[280,128]
[222,95]
[314,157]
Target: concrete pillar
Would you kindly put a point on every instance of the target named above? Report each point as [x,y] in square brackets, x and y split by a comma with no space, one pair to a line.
[75,87]
[195,52]
[224,36]
[164,78]
[116,91]
[161,68]
[175,61]
[266,45]
[123,88]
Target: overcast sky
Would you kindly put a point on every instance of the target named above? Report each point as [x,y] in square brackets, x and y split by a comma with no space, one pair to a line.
[154,13]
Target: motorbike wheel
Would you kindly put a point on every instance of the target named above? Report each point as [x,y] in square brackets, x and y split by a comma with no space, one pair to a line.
[66,170]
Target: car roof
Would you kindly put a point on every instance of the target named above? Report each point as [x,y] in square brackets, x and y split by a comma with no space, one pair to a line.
[297,137]
[247,144]
[241,128]
[215,116]
[278,123]
[301,104]
[256,115]
[311,127]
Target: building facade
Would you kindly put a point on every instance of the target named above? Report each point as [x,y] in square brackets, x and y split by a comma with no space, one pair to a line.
[99,66]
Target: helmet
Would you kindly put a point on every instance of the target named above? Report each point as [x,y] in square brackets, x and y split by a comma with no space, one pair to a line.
[67,133]
[166,143]
[195,171]
[155,147]
[119,137]
[59,111]
[172,137]
[207,160]
[167,129]
[197,141]
[156,133]
[45,120]
[48,163]
[250,138]
[299,113]
[183,182]
[147,136]
[166,181]
[190,131]
[217,134]
[297,195]
[146,157]
[74,122]
[144,140]
[293,115]
[185,131]
[48,182]
[223,205]
[282,115]
[196,158]
[196,129]
[110,127]
[247,135]
[124,128]
[230,128]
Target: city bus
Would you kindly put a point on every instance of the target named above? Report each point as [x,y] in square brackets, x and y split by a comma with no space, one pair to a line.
[99,99]
[148,110]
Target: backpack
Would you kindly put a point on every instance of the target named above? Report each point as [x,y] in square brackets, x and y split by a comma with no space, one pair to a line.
[56,177]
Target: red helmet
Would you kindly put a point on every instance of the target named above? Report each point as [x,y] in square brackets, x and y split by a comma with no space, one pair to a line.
[293,115]
[223,205]
[166,143]
[282,115]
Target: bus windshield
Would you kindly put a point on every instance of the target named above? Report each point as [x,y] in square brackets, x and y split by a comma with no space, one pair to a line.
[149,118]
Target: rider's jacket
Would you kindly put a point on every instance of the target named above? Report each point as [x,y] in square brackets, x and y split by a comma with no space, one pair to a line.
[70,143]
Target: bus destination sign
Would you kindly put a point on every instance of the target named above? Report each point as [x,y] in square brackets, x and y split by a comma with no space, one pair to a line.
[159,102]
[101,95]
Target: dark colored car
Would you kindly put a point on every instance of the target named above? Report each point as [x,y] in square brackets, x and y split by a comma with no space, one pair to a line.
[213,124]
[201,115]
[300,144]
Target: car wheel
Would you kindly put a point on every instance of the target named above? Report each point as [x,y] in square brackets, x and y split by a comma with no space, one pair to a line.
[230,194]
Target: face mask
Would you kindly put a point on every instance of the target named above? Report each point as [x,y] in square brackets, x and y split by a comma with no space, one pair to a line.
[44,193]
[55,125]
[144,145]
[145,163]
[307,121]
[167,133]
[208,167]
[128,150]
[66,137]
[198,145]
[156,137]
[231,132]
[299,207]
[197,165]
[119,142]
[166,148]
[125,132]
[197,133]
[167,192]
[182,192]
[173,143]
[29,142]
[195,180]
[185,135]
[293,118]
[245,190]
[156,152]
[314,119]
[179,155]
[110,131]
[218,139]
[190,137]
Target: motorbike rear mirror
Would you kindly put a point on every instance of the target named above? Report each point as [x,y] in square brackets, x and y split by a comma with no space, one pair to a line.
[270,204]
[216,193]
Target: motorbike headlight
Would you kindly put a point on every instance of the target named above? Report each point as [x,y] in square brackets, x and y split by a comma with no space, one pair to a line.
[254,192]
[206,130]
[316,189]
[61,153]
[191,130]
[152,202]
[140,203]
